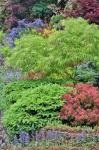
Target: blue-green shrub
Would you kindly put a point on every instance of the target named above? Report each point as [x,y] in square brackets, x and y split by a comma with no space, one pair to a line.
[87,72]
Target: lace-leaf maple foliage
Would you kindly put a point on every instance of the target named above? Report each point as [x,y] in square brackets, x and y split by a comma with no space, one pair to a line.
[88,9]
[81,105]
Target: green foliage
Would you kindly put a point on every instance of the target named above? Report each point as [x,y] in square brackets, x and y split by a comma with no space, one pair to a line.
[40,9]
[57,55]
[56,19]
[87,72]
[2,75]
[14,90]
[56,22]
[77,43]
[1,37]
[2,84]
[35,108]
[28,53]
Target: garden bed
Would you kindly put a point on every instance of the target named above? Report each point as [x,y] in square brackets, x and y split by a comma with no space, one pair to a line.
[49,75]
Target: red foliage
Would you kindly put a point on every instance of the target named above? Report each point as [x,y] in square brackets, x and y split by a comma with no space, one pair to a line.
[14,8]
[11,21]
[81,106]
[88,9]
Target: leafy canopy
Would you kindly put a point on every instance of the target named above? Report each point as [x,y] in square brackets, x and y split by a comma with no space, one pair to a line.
[57,55]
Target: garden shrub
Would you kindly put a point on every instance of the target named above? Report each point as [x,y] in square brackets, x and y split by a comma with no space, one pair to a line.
[27,54]
[14,90]
[41,10]
[35,109]
[87,72]
[88,9]
[56,22]
[76,44]
[57,55]
[81,106]
[56,19]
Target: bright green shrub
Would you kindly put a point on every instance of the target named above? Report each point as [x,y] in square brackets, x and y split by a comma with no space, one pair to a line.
[35,109]
[21,85]
[27,55]
[77,43]
[57,55]
[14,90]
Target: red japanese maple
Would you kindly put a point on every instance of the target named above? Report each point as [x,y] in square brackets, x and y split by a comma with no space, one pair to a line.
[81,105]
[88,9]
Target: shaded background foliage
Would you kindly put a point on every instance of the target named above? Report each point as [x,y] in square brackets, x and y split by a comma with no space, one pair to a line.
[12,10]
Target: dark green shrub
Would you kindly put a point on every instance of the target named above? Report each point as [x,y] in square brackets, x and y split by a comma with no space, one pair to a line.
[87,72]
[35,108]
[40,9]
